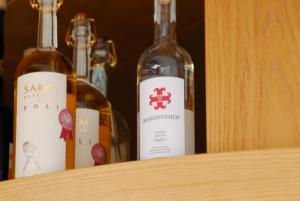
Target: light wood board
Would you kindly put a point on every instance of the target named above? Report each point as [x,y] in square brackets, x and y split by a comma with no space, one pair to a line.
[247,176]
[252,74]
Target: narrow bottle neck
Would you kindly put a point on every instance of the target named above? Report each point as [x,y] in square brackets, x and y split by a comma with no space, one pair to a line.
[165,20]
[47,29]
[99,78]
[81,58]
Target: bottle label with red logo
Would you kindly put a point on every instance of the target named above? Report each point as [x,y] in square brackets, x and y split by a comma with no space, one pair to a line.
[87,135]
[161,118]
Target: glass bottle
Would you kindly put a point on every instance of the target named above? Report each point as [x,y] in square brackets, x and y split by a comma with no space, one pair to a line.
[92,113]
[165,83]
[26,53]
[45,102]
[104,57]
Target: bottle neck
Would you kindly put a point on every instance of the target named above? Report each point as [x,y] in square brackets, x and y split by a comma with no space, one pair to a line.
[100,60]
[81,57]
[47,28]
[165,20]
[99,78]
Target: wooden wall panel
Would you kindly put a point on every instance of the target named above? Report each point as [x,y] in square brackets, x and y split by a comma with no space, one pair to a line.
[252,74]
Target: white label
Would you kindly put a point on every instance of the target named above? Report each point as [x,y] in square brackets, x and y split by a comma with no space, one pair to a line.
[41,97]
[162,130]
[99,79]
[87,135]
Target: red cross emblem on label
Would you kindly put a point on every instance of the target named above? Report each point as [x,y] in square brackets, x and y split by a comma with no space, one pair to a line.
[161,98]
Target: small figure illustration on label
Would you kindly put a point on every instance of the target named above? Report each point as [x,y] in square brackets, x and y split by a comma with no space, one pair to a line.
[160,98]
[66,121]
[98,154]
[31,166]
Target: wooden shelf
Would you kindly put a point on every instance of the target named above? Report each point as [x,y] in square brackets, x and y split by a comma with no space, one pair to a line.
[257,175]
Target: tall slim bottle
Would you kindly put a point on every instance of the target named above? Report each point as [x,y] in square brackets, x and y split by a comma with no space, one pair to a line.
[104,57]
[45,103]
[26,53]
[92,113]
[165,91]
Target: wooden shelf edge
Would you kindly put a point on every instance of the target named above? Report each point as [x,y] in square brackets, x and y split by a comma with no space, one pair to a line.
[254,175]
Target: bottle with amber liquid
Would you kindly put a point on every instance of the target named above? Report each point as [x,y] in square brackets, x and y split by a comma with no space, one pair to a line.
[103,58]
[93,112]
[26,53]
[165,82]
[45,102]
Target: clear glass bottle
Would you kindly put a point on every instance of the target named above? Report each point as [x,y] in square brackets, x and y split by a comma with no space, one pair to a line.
[165,83]
[93,112]
[104,57]
[45,102]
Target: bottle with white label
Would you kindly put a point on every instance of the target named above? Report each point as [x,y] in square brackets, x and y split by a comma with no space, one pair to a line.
[165,91]
[93,111]
[104,57]
[45,103]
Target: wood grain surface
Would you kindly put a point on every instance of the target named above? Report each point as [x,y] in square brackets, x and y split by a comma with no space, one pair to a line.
[267,175]
[252,74]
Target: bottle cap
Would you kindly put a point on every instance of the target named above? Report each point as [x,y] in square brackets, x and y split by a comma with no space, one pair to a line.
[105,48]
[100,48]
[52,5]
[81,25]
[80,16]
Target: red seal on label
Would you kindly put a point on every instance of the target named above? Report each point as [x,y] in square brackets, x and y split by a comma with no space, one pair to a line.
[98,153]
[161,99]
[66,121]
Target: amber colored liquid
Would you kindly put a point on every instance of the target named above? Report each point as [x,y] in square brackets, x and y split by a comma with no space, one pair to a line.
[90,98]
[50,61]
[70,154]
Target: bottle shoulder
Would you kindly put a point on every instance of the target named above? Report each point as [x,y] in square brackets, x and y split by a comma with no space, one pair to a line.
[89,96]
[164,59]
[45,61]
[166,50]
